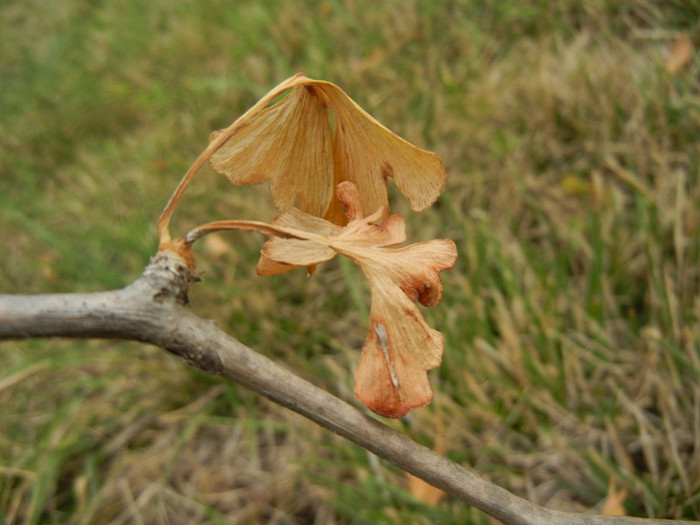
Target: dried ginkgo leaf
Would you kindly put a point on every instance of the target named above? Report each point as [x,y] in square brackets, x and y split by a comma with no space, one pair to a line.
[391,377]
[315,138]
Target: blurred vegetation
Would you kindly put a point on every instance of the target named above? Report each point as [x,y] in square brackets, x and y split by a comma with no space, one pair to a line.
[570,133]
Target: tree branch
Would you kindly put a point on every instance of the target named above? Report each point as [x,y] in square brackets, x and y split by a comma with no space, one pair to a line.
[151,310]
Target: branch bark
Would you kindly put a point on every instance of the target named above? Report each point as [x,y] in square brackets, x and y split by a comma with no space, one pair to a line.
[151,310]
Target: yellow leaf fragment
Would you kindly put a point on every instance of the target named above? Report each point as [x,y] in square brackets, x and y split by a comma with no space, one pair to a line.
[613,505]
[424,491]
[313,139]
[287,254]
[218,247]
[679,56]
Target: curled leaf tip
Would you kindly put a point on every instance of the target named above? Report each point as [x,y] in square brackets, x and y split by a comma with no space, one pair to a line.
[350,199]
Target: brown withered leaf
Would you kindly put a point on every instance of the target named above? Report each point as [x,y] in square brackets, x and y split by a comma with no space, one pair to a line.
[613,505]
[316,137]
[391,377]
[679,56]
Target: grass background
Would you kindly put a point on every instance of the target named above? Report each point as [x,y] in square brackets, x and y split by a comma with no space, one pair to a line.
[572,318]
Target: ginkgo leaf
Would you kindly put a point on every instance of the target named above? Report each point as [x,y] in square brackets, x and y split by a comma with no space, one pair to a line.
[315,138]
[391,377]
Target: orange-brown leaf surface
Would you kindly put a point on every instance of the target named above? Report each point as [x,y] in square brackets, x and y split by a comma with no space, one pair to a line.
[679,56]
[614,503]
[316,137]
[391,377]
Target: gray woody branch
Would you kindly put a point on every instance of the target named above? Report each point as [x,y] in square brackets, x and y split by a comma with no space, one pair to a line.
[150,310]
